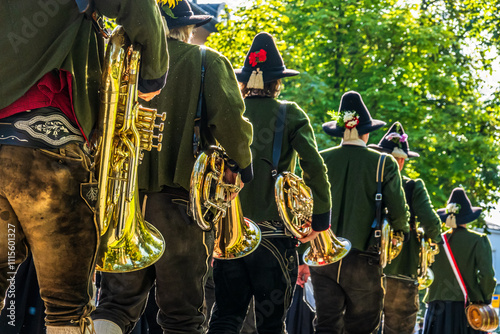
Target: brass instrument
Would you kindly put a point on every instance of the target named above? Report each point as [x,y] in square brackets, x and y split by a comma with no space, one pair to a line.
[209,194]
[235,235]
[428,251]
[295,206]
[391,244]
[212,207]
[482,317]
[128,242]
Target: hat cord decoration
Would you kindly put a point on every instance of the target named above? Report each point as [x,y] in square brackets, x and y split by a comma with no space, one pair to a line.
[397,138]
[452,209]
[256,79]
[349,120]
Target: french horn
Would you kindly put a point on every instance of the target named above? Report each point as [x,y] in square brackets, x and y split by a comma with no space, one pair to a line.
[212,207]
[295,206]
[428,251]
[125,128]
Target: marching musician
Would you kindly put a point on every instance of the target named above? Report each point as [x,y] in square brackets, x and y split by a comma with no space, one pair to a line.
[349,293]
[270,272]
[401,301]
[472,259]
[180,274]
[48,107]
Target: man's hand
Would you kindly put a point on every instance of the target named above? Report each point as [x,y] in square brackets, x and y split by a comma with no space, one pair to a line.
[231,177]
[303,275]
[312,235]
[148,96]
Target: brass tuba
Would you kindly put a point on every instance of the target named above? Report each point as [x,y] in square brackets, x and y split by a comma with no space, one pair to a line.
[295,206]
[128,242]
[391,244]
[212,207]
[428,251]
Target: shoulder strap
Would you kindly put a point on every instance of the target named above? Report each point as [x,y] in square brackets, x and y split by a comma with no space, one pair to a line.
[278,137]
[377,223]
[454,266]
[409,188]
[199,117]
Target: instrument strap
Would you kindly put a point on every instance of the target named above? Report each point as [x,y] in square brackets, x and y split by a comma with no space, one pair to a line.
[454,266]
[200,116]
[278,137]
[377,223]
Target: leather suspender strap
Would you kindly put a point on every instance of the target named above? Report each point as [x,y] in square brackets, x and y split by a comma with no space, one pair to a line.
[278,137]
[199,118]
[454,266]
[377,223]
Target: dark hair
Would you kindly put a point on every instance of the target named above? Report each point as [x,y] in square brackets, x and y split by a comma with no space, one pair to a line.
[271,89]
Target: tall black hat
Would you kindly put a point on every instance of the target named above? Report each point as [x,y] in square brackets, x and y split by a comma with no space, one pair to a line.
[182,15]
[395,142]
[263,63]
[458,209]
[354,117]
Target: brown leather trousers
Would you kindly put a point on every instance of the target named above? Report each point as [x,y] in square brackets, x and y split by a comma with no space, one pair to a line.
[41,210]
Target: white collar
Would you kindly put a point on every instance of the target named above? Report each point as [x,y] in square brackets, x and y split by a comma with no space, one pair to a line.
[355,142]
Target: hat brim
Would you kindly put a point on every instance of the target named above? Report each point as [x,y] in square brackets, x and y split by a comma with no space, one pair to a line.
[332,129]
[376,147]
[475,213]
[196,20]
[243,75]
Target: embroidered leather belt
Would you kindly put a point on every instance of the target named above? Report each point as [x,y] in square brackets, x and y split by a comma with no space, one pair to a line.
[45,128]
[274,229]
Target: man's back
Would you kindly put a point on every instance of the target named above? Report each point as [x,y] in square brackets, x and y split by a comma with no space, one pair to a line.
[352,173]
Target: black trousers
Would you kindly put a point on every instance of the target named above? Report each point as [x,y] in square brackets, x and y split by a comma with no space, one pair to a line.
[400,305]
[269,274]
[349,295]
[180,274]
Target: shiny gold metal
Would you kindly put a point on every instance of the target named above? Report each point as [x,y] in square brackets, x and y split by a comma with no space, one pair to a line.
[391,244]
[428,251]
[210,196]
[235,235]
[325,249]
[482,317]
[295,206]
[125,128]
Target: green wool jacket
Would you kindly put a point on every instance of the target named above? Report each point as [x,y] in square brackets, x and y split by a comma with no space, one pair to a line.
[257,197]
[472,252]
[172,166]
[406,263]
[352,174]
[40,36]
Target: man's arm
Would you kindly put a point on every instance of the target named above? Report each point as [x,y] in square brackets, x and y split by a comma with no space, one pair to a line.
[426,216]
[394,197]
[143,24]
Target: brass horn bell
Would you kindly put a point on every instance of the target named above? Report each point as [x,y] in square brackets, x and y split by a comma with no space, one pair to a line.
[235,235]
[295,205]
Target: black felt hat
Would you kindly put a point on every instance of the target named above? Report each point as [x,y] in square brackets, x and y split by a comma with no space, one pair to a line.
[352,104]
[182,15]
[459,209]
[395,142]
[264,60]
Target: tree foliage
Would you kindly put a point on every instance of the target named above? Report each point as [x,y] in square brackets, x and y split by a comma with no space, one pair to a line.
[418,63]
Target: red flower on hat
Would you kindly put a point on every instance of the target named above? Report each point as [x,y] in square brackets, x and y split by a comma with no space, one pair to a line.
[257,57]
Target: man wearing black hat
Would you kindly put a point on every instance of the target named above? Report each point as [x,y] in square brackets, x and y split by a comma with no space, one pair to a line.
[180,274]
[469,253]
[349,293]
[49,101]
[269,273]
[401,301]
